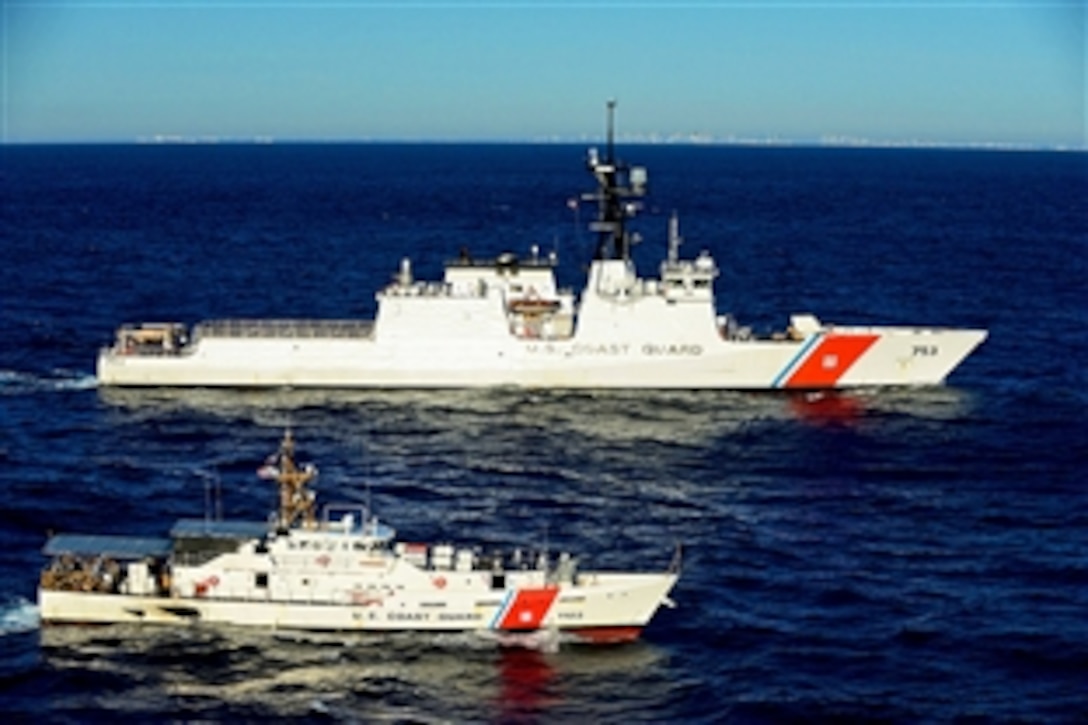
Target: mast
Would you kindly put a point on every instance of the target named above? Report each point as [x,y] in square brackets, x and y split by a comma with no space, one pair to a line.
[618,189]
[296,501]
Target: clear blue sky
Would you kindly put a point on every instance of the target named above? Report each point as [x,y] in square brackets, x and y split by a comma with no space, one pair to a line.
[947,71]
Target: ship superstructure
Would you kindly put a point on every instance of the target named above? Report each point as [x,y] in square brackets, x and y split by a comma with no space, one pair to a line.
[342,570]
[505,322]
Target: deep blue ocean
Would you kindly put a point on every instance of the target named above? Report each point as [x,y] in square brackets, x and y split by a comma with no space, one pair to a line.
[895,556]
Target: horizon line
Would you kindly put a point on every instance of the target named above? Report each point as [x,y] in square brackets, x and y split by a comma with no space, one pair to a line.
[650,139]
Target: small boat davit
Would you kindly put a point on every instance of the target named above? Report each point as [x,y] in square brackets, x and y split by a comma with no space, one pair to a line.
[343,570]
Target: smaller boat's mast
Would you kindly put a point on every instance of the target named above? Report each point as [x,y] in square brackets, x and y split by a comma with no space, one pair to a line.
[296,501]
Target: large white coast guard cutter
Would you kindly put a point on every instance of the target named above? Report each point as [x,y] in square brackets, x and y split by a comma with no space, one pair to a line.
[342,571]
[504,322]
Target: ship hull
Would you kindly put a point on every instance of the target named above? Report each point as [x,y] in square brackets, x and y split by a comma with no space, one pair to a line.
[846,357]
[608,608]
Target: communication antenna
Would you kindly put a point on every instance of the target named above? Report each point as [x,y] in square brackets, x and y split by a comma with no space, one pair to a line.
[213,497]
[218,497]
[547,553]
[611,131]
[369,509]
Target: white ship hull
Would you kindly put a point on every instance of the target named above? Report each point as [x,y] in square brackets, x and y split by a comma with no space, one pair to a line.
[892,356]
[602,608]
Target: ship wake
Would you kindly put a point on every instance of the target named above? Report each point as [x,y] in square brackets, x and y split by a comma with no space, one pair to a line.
[17,382]
[18,616]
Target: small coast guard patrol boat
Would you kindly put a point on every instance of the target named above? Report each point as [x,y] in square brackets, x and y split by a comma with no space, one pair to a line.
[341,571]
[504,322]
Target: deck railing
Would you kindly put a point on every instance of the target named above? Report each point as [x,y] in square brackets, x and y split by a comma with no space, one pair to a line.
[284,328]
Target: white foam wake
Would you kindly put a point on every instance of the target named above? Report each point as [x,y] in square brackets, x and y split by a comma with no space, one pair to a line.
[18,616]
[16,382]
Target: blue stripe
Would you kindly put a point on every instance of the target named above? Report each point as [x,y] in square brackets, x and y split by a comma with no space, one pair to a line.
[777,382]
[502,609]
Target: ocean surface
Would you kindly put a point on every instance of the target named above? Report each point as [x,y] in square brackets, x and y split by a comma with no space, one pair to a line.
[878,555]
